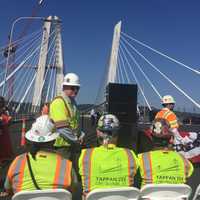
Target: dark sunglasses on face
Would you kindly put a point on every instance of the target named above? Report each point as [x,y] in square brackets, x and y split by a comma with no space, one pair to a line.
[74,88]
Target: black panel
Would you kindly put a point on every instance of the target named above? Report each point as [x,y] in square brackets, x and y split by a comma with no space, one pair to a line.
[122,101]
[128,136]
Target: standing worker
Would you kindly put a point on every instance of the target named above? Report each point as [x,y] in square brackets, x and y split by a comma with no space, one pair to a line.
[6,152]
[40,168]
[162,164]
[63,111]
[107,166]
[167,114]
[93,117]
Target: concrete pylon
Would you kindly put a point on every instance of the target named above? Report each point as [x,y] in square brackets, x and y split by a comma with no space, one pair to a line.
[114,54]
[51,24]
[41,64]
[58,57]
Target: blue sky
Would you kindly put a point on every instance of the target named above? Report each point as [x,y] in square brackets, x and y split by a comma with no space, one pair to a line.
[171,26]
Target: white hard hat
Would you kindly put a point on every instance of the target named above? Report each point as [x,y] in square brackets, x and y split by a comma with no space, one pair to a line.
[167,99]
[108,123]
[71,79]
[42,130]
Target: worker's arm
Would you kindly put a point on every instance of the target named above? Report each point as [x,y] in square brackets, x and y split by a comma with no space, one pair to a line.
[58,113]
[190,169]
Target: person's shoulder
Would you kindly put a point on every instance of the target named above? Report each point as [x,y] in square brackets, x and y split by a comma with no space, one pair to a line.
[57,100]
[19,157]
[88,150]
[127,150]
[145,153]
[56,155]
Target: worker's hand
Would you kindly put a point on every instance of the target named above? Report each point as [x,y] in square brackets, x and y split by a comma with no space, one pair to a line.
[3,194]
[81,137]
[68,135]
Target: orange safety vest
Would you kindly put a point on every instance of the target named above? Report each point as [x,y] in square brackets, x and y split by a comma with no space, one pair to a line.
[168,115]
[50,170]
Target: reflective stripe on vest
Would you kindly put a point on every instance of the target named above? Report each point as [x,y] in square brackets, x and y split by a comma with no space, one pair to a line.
[131,166]
[87,168]
[72,110]
[62,173]
[147,166]
[168,115]
[18,169]
[164,167]
[61,177]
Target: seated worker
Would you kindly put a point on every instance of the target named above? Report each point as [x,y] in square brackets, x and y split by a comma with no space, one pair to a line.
[107,166]
[162,164]
[40,168]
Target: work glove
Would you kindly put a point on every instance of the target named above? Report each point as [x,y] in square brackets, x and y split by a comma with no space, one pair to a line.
[68,135]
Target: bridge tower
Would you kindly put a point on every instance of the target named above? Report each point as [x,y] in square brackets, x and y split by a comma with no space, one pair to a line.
[58,57]
[50,24]
[112,69]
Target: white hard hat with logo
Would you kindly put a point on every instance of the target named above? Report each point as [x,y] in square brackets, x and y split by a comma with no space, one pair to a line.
[42,130]
[108,123]
[168,99]
[71,79]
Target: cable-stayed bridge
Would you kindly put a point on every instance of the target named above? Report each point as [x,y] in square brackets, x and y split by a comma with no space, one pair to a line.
[31,73]
[130,63]
[31,69]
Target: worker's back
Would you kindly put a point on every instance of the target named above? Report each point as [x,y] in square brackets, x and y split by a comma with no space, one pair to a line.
[164,166]
[107,167]
[50,171]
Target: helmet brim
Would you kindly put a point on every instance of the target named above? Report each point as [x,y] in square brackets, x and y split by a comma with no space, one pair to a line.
[68,84]
[33,137]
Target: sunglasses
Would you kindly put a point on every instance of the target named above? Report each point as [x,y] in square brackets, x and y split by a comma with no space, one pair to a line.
[74,88]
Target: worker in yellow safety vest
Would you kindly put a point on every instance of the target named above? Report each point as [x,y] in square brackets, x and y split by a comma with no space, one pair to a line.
[162,164]
[40,168]
[107,166]
[63,111]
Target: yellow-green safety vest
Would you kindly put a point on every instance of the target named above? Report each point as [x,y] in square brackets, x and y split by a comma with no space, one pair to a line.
[103,167]
[64,113]
[50,171]
[162,166]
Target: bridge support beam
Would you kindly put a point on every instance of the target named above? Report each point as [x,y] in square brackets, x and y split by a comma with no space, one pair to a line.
[58,58]
[51,24]
[114,54]
[41,64]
